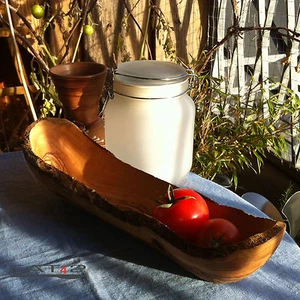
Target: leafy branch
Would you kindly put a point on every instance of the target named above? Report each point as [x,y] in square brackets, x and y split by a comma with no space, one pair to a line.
[230,132]
[236,31]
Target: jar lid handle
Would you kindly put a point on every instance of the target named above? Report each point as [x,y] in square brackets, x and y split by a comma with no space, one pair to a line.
[194,78]
[108,90]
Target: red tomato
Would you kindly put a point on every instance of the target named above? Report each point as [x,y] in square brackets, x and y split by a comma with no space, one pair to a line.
[185,214]
[217,232]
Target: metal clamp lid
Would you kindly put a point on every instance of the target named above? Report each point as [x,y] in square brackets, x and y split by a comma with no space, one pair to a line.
[181,74]
[150,70]
[108,90]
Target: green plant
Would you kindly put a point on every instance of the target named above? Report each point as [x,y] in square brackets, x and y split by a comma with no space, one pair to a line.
[156,21]
[287,193]
[231,130]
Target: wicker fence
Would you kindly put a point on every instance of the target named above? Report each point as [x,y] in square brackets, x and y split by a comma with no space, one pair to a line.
[124,26]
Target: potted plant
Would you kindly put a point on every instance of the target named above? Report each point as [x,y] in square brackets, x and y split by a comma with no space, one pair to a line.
[234,132]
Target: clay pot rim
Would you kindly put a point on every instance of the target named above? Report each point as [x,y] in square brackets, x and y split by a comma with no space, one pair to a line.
[53,70]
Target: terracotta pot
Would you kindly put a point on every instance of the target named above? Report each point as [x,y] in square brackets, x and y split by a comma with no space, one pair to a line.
[79,86]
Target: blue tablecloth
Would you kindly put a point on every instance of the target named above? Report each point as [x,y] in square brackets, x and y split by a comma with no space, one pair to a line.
[52,250]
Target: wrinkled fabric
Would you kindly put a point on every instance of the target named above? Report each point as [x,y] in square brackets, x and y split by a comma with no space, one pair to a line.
[38,229]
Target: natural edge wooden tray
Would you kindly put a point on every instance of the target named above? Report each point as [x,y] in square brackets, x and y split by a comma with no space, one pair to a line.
[74,166]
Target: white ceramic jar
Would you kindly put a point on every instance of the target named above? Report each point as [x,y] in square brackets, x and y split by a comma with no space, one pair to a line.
[149,123]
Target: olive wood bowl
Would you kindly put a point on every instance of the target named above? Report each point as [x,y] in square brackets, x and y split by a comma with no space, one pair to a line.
[89,176]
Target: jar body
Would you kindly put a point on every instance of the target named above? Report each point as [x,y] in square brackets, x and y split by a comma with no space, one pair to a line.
[153,134]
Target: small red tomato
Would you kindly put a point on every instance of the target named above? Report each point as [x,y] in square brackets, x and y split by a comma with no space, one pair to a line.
[216,232]
[186,212]
[88,29]
[37,11]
